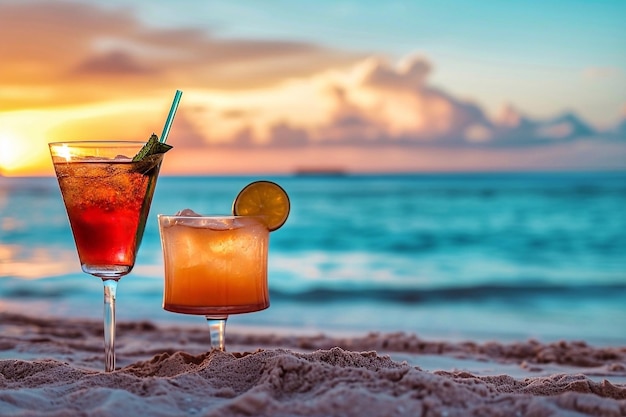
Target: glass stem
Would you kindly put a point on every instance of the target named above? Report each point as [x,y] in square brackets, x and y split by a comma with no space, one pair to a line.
[217,328]
[110,288]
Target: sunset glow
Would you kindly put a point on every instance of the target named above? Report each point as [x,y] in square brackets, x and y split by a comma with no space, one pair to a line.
[10,151]
[297,96]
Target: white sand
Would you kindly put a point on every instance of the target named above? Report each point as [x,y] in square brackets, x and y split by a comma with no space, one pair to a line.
[53,367]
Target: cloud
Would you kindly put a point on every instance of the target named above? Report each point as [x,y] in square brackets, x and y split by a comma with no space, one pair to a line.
[402,107]
[376,103]
[566,126]
[348,123]
[618,131]
[114,63]
[411,75]
[282,134]
[401,98]
[276,95]
[186,133]
[65,52]
[512,128]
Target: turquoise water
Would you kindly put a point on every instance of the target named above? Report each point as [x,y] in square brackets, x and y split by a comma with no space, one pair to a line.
[482,256]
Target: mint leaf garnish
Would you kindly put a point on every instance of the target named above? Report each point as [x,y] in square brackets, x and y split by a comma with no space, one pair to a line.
[152,147]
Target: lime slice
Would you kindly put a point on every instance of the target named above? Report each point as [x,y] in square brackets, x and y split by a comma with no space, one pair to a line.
[263,198]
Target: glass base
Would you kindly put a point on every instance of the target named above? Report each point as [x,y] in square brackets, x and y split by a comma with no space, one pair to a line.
[110,290]
[107,271]
[217,331]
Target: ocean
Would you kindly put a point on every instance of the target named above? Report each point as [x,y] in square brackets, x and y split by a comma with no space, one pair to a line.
[493,256]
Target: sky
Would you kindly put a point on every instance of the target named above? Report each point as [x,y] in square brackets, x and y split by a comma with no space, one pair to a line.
[278,86]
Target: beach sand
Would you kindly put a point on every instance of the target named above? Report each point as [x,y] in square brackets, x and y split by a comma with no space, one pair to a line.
[53,367]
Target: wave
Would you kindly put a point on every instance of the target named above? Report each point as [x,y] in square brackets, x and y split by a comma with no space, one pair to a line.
[58,288]
[472,294]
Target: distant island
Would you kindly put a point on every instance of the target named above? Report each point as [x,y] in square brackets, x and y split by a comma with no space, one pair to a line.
[316,171]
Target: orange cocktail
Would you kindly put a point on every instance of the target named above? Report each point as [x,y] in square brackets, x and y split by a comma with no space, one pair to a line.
[217,265]
[214,265]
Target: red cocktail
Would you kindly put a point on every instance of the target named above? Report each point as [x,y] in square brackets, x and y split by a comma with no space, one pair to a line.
[107,189]
[107,204]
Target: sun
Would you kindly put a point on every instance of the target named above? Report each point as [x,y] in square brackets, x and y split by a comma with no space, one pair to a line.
[12,151]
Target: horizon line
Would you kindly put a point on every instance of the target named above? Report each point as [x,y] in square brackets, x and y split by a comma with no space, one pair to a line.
[347,173]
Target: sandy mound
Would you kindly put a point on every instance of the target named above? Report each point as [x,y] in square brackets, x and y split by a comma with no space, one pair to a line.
[52,370]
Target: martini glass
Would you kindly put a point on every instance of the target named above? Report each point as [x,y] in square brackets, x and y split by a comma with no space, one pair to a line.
[107,197]
[215,266]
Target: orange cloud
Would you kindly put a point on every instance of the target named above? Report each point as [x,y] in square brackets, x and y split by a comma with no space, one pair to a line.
[64,53]
[376,103]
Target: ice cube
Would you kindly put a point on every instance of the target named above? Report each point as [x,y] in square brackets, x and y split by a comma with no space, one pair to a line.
[187,212]
[180,220]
